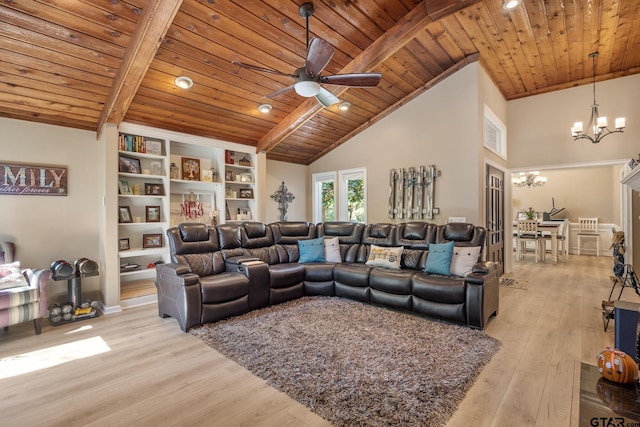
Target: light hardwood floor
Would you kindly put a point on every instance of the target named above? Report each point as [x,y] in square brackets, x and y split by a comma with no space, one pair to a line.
[136,368]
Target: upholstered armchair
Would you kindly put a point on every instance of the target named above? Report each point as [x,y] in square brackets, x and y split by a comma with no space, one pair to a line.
[21,302]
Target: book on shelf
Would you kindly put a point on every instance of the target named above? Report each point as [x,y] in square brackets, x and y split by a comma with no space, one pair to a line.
[131,143]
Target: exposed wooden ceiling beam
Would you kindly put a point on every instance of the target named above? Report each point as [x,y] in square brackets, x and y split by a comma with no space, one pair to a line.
[375,54]
[437,9]
[154,23]
[382,48]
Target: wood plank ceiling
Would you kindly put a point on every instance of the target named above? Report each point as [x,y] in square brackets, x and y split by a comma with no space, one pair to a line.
[82,63]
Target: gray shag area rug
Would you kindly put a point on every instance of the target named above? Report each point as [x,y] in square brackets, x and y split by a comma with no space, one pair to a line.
[356,364]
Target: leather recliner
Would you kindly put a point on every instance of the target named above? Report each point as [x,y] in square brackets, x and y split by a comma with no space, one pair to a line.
[196,288]
[318,277]
[260,263]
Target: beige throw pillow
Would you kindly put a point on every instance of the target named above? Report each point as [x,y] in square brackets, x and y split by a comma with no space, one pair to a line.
[384,257]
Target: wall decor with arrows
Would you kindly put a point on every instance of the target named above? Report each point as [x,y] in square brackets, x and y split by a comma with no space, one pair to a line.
[411,192]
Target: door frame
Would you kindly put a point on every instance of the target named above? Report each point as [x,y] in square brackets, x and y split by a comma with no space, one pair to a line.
[506,194]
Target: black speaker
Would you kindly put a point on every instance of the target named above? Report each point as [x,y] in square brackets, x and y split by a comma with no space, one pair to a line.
[626,333]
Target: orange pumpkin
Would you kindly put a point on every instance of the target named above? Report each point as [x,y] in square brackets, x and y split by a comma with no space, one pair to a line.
[617,366]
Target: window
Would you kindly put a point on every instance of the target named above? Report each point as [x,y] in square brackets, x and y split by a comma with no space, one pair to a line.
[495,133]
[352,195]
[324,197]
[342,199]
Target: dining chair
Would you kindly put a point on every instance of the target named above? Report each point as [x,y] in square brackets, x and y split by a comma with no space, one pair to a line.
[588,229]
[562,239]
[528,232]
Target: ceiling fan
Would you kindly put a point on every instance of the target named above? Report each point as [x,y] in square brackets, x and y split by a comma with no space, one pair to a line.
[308,79]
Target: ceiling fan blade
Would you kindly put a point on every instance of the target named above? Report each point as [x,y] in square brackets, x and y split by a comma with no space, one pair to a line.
[279,91]
[326,98]
[262,70]
[319,55]
[353,80]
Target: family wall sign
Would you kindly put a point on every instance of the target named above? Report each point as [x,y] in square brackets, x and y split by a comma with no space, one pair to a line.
[37,180]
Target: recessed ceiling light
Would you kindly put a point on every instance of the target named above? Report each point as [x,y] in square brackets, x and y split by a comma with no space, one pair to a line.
[183,82]
[344,105]
[510,4]
[265,108]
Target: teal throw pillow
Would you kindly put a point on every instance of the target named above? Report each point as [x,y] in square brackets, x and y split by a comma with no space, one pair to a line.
[311,250]
[439,258]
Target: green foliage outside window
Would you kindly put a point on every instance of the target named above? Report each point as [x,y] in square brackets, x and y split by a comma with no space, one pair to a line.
[328,201]
[355,198]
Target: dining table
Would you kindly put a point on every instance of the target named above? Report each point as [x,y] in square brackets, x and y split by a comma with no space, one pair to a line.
[553,227]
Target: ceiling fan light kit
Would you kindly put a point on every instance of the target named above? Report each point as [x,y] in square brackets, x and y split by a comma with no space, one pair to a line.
[326,98]
[308,81]
[307,88]
[183,82]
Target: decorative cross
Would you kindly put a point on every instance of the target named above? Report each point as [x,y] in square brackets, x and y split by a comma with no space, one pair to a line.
[283,197]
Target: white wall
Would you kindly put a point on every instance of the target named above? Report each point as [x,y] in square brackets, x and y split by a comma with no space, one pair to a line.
[296,179]
[539,126]
[48,228]
[582,192]
[438,127]
[540,137]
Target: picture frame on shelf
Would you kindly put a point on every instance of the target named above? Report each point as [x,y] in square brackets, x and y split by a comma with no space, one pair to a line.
[129,165]
[246,177]
[123,187]
[244,161]
[245,193]
[190,169]
[152,213]
[228,176]
[244,214]
[156,167]
[124,214]
[123,244]
[154,147]
[153,189]
[152,240]
[207,175]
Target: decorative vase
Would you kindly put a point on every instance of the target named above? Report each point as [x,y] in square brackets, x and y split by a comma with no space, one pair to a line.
[174,171]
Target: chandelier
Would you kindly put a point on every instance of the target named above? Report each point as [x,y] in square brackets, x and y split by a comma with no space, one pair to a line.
[597,124]
[529,179]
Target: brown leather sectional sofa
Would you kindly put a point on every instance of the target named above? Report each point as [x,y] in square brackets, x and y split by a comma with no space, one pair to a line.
[231,269]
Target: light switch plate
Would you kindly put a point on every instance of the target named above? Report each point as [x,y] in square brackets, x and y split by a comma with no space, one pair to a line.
[457,219]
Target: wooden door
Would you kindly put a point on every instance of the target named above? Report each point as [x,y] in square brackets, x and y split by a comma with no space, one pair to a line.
[495,217]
